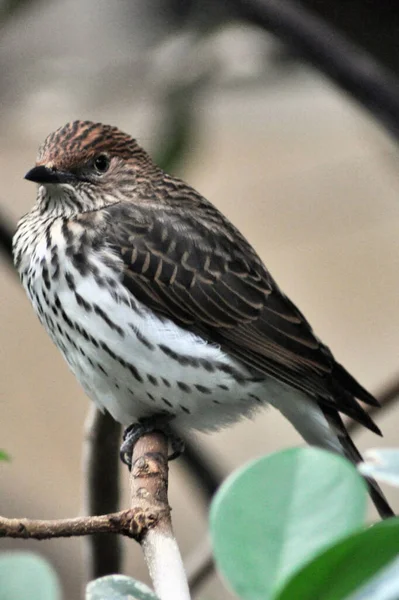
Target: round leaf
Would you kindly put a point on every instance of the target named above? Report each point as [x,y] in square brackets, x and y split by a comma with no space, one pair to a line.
[25,574]
[275,514]
[347,566]
[118,587]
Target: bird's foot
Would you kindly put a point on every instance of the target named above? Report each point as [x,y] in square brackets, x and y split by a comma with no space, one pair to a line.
[148,425]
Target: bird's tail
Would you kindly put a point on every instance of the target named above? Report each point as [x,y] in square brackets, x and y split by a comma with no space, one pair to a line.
[353,454]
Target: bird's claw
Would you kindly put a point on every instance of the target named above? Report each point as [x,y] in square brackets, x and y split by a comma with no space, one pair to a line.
[148,425]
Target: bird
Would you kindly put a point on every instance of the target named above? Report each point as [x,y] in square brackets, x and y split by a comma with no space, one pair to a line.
[162,309]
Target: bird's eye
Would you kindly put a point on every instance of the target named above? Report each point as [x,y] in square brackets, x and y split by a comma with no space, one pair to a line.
[101,163]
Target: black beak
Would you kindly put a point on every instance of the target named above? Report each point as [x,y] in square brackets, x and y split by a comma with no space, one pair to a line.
[43,174]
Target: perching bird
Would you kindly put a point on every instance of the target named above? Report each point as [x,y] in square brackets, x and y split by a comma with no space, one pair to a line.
[161,307]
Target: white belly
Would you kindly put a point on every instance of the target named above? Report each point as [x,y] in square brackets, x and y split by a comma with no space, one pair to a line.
[133,363]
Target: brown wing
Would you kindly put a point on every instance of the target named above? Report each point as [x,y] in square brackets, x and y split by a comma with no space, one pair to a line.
[194,267]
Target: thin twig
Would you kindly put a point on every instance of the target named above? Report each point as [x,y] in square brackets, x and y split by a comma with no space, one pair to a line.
[126,522]
[101,488]
[149,489]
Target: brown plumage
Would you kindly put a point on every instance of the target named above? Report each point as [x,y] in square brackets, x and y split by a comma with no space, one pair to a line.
[176,255]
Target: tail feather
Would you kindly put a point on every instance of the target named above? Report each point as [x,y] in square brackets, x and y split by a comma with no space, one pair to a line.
[346,393]
[349,384]
[353,454]
[354,410]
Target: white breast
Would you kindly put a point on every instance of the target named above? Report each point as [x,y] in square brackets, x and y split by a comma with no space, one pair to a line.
[127,359]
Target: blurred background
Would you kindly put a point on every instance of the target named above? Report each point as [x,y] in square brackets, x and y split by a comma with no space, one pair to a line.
[232,105]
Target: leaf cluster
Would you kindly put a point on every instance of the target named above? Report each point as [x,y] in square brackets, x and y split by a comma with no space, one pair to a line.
[288,525]
[293,525]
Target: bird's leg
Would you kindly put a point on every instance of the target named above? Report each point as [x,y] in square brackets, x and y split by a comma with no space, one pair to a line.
[148,425]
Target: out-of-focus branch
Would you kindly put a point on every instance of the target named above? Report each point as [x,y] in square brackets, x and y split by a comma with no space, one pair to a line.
[11,8]
[101,489]
[6,234]
[201,467]
[200,566]
[149,489]
[348,65]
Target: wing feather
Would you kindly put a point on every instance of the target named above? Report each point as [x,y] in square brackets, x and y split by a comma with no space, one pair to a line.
[194,267]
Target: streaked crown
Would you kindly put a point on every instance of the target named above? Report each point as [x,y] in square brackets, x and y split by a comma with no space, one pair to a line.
[79,141]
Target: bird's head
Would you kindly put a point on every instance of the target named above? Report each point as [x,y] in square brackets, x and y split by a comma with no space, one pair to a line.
[86,166]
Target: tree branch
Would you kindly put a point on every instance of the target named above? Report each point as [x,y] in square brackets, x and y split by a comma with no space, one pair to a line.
[149,489]
[127,522]
[148,521]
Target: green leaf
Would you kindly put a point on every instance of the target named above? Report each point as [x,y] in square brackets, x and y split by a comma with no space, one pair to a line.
[352,561]
[275,514]
[384,586]
[381,464]
[27,575]
[118,587]
[4,455]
